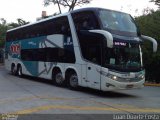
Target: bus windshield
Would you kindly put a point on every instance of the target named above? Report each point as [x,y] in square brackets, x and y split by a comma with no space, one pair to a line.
[126,58]
[117,22]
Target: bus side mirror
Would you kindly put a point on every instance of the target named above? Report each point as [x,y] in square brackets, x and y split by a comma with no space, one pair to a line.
[107,35]
[152,40]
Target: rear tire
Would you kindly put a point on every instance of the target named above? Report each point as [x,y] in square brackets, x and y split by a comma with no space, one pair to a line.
[72,80]
[19,71]
[13,70]
[59,80]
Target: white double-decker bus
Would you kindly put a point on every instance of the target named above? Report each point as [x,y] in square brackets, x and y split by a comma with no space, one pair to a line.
[89,47]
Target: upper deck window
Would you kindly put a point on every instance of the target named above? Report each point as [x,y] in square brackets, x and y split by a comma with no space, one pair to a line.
[117,22]
[85,20]
[48,27]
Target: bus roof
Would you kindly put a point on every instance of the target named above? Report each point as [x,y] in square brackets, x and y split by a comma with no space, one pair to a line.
[64,14]
[40,21]
[94,9]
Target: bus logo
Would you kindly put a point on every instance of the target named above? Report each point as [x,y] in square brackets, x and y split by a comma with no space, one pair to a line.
[15,48]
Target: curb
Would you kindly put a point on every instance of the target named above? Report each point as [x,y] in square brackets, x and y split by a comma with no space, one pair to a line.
[152,84]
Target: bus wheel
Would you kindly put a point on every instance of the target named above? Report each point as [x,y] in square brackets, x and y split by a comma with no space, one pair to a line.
[13,70]
[19,71]
[59,79]
[73,80]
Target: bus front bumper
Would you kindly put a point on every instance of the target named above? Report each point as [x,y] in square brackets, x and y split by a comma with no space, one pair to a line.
[109,84]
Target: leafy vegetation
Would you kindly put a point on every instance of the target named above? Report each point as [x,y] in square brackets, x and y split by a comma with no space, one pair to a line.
[3,29]
[70,4]
[157,2]
[150,25]
[4,26]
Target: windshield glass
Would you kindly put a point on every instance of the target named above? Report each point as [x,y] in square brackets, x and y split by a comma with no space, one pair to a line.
[117,22]
[123,57]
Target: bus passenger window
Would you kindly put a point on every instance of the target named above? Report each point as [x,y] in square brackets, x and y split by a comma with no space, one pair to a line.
[85,20]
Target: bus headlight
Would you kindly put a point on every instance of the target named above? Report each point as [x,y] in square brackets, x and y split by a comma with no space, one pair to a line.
[141,77]
[113,77]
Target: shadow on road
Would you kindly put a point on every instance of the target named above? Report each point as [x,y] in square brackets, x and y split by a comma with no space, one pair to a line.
[96,93]
[107,94]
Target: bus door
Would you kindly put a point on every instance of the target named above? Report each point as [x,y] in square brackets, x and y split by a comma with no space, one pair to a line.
[94,66]
[93,75]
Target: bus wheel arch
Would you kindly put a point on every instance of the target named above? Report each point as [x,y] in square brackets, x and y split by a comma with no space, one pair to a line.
[57,76]
[71,78]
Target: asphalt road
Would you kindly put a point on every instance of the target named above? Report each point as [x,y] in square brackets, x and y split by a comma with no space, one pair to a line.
[40,98]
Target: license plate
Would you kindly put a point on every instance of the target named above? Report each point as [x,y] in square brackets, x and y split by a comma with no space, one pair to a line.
[129,86]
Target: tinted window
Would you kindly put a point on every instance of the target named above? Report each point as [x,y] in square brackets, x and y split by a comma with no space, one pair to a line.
[91,46]
[90,43]
[54,26]
[85,20]
[48,55]
[118,23]
[33,55]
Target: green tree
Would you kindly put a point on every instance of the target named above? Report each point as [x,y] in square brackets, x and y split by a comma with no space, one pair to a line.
[3,29]
[4,26]
[157,2]
[71,4]
[19,22]
[48,2]
[150,25]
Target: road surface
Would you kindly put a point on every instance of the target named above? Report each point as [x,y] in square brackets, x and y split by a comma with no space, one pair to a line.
[38,96]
